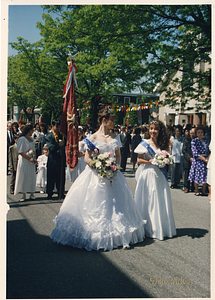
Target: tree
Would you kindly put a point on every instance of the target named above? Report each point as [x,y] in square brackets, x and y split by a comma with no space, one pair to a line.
[133,120]
[182,45]
[120,47]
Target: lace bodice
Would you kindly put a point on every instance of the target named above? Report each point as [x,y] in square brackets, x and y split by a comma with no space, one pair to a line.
[112,146]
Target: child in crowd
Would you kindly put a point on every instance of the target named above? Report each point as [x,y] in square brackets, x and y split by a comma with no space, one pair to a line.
[41,180]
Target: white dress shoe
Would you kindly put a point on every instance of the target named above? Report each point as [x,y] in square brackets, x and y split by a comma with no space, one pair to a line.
[22,200]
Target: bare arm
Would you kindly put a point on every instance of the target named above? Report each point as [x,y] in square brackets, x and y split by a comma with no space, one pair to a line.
[141,160]
[118,156]
[27,157]
[87,157]
[170,144]
[205,159]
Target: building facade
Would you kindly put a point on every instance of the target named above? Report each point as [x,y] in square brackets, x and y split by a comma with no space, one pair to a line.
[177,115]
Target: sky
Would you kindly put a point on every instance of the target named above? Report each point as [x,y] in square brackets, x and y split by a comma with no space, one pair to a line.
[22,23]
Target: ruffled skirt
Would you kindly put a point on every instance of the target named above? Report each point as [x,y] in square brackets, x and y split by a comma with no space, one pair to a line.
[97,214]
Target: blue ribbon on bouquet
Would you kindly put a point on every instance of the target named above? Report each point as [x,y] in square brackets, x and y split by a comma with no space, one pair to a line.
[90,145]
[152,153]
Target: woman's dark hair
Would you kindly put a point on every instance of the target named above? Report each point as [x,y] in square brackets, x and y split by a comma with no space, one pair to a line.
[179,127]
[137,131]
[45,127]
[26,129]
[200,127]
[15,125]
[163,139]
[105,113]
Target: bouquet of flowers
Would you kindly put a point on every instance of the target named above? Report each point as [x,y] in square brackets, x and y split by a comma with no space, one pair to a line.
[30,153]
[162,158]
[105,166]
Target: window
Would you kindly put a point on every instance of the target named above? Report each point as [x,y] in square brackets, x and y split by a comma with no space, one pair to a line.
[127,100]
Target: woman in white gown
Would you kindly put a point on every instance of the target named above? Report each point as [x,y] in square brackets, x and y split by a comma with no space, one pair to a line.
[26,173]
[97,214]
[152,194]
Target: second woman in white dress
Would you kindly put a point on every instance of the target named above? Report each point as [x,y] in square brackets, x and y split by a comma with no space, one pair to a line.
[152,194]
[97,214]
[26,173]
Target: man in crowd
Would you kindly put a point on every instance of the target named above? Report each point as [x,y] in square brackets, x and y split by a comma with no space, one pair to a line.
[13,161]
[10,139]
[56,161]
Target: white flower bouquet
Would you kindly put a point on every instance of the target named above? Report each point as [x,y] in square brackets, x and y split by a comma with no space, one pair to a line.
[162,158]
[105,165]
[30,153]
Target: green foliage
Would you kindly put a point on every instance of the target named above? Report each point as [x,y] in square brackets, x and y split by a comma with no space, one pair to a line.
[83,120]
[132,118]
[120,48]
[117,119]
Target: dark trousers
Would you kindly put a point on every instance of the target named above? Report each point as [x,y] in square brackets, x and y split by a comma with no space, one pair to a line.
[12,181]
[186,182]
[175,174]
[124,155]
[53,177]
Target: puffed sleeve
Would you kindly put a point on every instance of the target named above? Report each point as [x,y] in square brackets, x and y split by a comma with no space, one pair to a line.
[82,146]
[140,149]
[21,144]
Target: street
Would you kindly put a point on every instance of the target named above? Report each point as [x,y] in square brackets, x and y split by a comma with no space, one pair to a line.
[174,268]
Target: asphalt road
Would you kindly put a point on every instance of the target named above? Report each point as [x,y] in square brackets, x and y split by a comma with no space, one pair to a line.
[37,268]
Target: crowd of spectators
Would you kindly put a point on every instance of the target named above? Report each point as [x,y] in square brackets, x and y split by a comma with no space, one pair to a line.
[188,144]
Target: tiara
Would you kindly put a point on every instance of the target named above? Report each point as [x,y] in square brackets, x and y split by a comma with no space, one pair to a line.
[154,122]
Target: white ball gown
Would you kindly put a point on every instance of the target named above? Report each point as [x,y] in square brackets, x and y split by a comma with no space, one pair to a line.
[97,214]
[153,198]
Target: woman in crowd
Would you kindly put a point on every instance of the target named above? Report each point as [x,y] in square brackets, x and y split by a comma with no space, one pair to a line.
[26,175]
[198,170]
[134,143]
[97,214]
[36,132]
[42,140]
[15,127]
[152,194]
[176,144]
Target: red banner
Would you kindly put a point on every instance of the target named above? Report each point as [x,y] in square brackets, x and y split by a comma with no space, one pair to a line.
[69,120]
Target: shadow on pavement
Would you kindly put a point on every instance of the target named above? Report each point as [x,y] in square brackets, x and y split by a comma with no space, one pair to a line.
[37,268]
[191,232]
